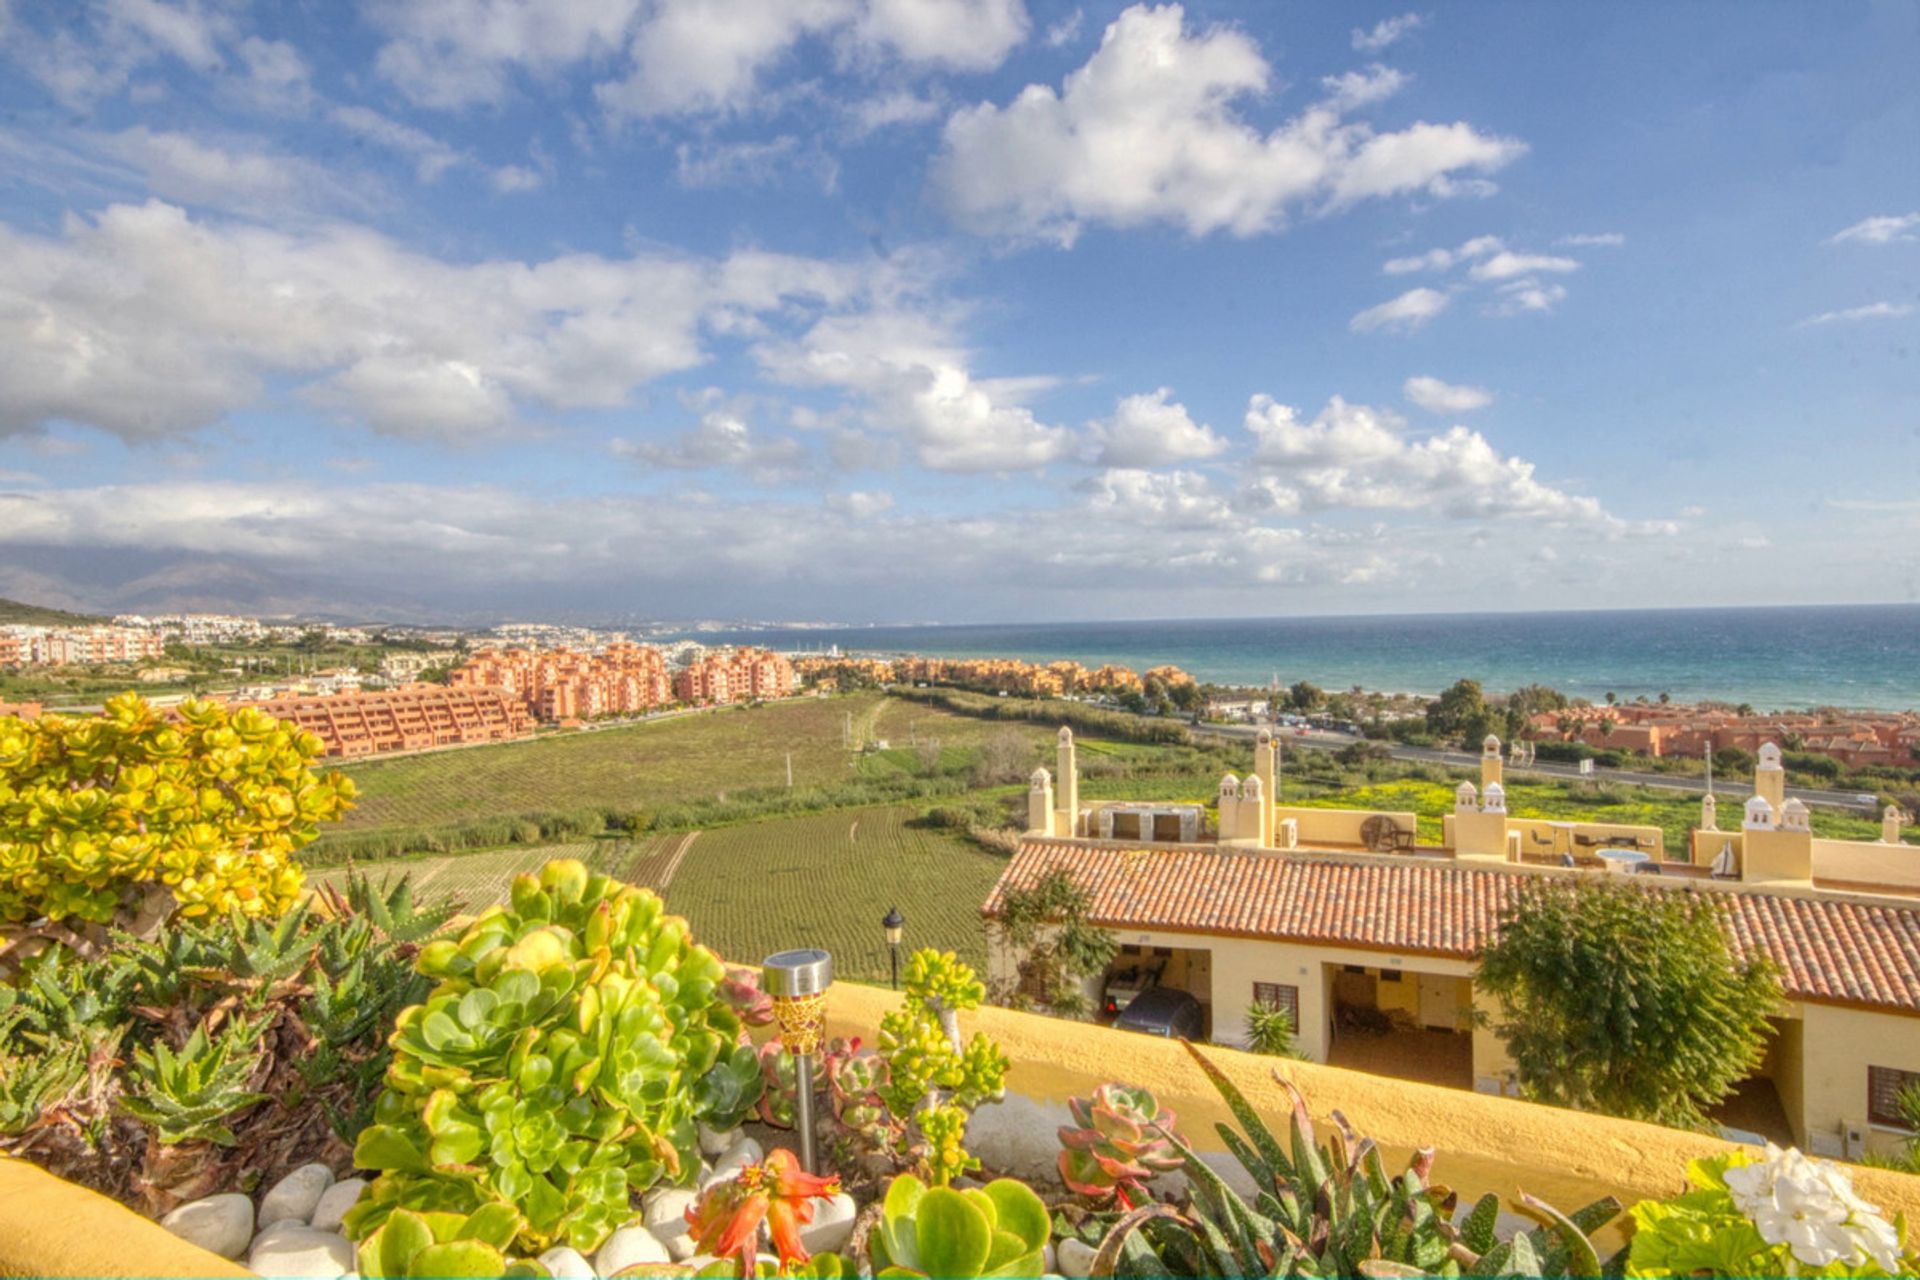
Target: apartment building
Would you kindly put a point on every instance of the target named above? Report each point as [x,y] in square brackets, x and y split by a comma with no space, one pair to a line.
[1370,939]
[557,685]
[412,718]
[736,676]
[77,646]
[1854,738]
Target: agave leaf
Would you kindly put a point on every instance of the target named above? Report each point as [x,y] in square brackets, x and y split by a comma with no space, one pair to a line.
[1582,1260]
[1476,1232]
[1249,1119]
[1114,1243]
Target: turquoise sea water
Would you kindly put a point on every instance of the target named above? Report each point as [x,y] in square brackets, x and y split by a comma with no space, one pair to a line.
[1854,656]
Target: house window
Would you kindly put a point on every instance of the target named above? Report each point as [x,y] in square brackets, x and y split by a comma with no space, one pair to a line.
[1280,995]
[1884,1086]
[1390,975]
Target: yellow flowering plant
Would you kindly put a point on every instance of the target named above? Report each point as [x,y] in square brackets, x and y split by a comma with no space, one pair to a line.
[136,816]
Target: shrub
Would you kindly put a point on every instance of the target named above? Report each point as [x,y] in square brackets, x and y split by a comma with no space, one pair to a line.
[131,817]
[573,1042]
[1270,1030]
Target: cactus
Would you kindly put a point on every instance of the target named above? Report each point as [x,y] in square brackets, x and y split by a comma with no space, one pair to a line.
[560,1066]
[998,1230]
[1120,1144]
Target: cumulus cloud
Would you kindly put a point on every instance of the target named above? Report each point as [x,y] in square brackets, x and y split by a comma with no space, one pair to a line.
[1150,131]
[1151,431]
[1440,397]
[1872,311]
[721,438]
[1506,266]
[1442,259]
[1410,311]
[147,323]
[1515,277]
[1593,240]
[1352,455]
[1385,32]
[1880,229]
[915,379]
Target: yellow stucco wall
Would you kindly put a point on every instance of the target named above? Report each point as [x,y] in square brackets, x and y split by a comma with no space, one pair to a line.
[1485,1143]
[53,1228]
[1867,862]
[1338,826]
[1839,1046]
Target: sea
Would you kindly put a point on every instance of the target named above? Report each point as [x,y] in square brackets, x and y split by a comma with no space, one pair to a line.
[1859,656]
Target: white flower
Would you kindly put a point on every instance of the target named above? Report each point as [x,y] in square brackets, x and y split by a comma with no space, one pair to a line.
[1810,1206]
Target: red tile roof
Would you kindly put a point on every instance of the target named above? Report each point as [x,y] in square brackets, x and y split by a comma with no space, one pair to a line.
[1829,950]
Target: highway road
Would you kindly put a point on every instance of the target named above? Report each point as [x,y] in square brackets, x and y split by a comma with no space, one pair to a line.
[1327,740]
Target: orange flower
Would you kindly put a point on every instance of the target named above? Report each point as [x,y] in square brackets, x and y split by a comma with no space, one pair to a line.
[726,1220]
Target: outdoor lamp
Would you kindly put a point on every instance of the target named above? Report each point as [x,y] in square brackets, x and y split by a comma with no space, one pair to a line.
[893,922]
[797,981]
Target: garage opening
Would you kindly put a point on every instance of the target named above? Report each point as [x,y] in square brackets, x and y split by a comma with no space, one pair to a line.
[1139,968]
[1413,1026]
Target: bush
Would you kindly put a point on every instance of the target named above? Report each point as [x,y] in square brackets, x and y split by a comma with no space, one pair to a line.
[129,817]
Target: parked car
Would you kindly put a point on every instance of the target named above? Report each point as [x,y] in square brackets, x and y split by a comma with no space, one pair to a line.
[1124,985]
[1164,1011]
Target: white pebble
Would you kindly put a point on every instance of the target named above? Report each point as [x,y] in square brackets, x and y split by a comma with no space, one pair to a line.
[666,1216]
[296,1195]
[564,1262]
[738,1156]
[218,1224]
[331,1211]
[832,1224]
[715,1141]
[295,1255]
[1076,1259]
[626,1247]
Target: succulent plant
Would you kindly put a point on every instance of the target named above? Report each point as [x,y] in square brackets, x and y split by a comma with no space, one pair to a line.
[573,1041]
[432,1245]
[187,1095]
[131,816]
[1332,1209]
[945,1156]
[1120,1144]
[997,1230]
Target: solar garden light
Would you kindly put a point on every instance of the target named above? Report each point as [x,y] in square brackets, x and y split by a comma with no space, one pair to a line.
[797,981]
[893,922]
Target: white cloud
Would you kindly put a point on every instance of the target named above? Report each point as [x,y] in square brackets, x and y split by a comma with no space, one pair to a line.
[230,173]
[1064,31]
[1355,456]
[1442,259]
[1881,229]
[430,156]
[109,42]
[1519,297]
[277,78]
[1440,397]
[722,164]
[148,324]
[1151,431]
[1385,32]
[1177,499]
[888,110]
[1149,131]
[861,504]
[671,57]
[1505,266]
[1594,240]
[722,438]
[1872,311]
[1410,311]
[916,381]
[512,178]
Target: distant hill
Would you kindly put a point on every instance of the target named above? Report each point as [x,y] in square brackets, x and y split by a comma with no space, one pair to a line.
[14,613]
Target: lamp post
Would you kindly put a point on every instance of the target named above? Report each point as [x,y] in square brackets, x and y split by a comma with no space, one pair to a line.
[798,981]
[893,922]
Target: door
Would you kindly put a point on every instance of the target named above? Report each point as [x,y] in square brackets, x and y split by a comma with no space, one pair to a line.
[1439,1002]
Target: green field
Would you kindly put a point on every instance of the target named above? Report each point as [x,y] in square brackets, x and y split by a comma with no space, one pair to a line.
[665,761]
[826,880]
[818,881]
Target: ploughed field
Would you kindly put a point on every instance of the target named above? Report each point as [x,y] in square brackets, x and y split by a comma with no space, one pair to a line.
[661,762]
[821,880]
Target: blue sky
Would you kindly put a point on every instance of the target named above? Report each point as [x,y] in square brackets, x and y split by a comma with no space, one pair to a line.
[956,309]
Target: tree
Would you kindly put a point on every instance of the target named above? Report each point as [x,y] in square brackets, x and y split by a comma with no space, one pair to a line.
[1612,697]
[1306,697]
[1626,1000]
[130,817]
[1187,696]
[1057,946]
[1461,712]
[1007,756]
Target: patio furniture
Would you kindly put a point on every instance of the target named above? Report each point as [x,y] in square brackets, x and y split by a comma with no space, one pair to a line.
[1383,835]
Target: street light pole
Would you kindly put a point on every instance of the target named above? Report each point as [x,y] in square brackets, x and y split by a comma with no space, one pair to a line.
[893,922]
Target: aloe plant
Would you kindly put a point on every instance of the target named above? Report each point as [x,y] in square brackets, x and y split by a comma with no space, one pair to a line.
[573,1042]
[1119,1146]
[998,1230]
[429,1245]
[189,1094]
[1331,1209]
